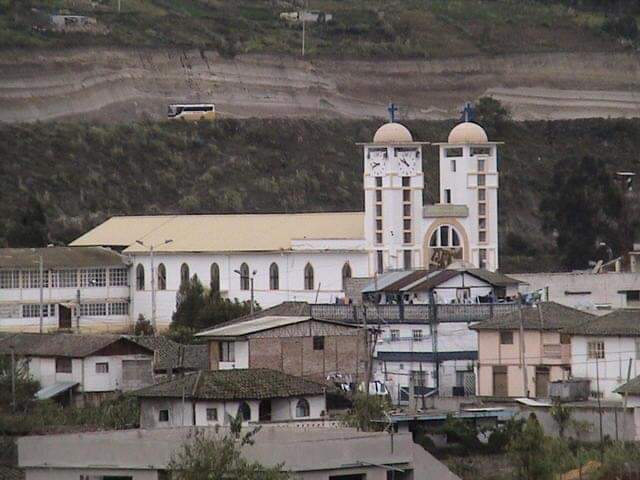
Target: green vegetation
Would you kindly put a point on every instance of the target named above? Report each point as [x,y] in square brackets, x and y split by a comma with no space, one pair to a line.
[368,412]
[362,28]
[79,174]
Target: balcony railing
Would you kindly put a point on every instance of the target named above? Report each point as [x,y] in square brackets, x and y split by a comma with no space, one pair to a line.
[474,312]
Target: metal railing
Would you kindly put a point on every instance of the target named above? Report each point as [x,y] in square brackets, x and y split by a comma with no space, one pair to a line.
[473,312]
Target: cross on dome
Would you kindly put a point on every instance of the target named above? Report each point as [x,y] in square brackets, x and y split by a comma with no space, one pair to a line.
[392,109]
[468,112]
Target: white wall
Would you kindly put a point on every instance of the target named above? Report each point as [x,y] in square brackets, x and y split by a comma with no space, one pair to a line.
[612,369]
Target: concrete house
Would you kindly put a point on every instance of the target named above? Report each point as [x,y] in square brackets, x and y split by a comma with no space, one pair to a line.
[308,453]
[604,349]
[546,356]
[171,358]
[288,339]
[80,368]
[213,397]
[631,391]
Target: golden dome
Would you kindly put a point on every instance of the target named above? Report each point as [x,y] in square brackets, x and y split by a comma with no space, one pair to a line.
[392,133]
[468,133]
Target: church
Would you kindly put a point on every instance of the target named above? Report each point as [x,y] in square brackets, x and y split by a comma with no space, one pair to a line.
[308,256]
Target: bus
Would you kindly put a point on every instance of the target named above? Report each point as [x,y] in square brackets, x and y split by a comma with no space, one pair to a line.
[192,111]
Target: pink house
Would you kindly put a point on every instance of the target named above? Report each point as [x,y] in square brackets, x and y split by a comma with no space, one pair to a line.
[502,369]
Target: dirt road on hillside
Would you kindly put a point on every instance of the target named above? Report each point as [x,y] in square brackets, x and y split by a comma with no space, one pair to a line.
[120,85]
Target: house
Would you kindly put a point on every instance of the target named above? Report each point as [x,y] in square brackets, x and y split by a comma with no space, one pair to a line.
[214,397]
[630,391]
[285,339]
[308,453]
[606,350]
[503,370]
[174,358]
[83,289]
[80,368]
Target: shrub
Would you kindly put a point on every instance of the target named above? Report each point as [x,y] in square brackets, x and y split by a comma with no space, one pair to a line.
[623,27]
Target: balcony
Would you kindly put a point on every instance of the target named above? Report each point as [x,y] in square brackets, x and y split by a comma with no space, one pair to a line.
[462,313]
[557,351]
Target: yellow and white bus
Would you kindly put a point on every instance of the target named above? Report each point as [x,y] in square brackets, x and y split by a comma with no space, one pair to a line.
[192,111]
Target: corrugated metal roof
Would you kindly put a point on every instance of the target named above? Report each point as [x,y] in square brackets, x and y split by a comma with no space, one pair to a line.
[55,389]
[59,257]
[632,387]
[252,326]
[223,233]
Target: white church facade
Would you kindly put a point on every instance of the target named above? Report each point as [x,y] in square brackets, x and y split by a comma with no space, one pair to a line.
[307,256]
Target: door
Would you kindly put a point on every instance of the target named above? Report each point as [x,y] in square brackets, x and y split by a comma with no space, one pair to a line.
[264,411]
[64,317]
[500,383]
[542,382]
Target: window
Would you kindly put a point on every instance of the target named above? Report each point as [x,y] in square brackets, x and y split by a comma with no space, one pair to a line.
[227,352]
[565,339]
[162,277]
[139,277]
[64,278]
[445,247]
[302,408]
[318,343]
[378,210]
[346,273]
[380,261]
[406,195]
[215,278]
[118,308]
[482,257]
[93,277]
[637,348]
[244,277]
[31,279]
[417,335]
[633,298]
[102,367]
[482,236]
[163,416]
[274,277]
[118,277]
[406,237]
[407,254]
[212,414]
[378,237]
[63,365]
[308,277]
[506,338]
[378,182]
[454,152]
[482,180]
[595,349]
[481,165]
[480,151]
[378,224]
[482,194]
[32,310]
[447,195]
[244,411]
[378,195]
[482,209]
[406,210]
[395,334]
[9,279]
[406,224]
[93,309]
[184,274]
[453,165]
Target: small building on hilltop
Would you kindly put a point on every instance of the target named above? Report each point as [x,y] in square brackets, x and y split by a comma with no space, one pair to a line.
[80,368]
[214,397]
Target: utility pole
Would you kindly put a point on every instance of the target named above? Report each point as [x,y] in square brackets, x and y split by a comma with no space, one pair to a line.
[119,1]
[599,405]
[13,379]
[251,284]
[153,281]
[41,269]
[523,363]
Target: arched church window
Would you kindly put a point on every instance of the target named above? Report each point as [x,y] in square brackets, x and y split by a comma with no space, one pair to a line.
[215,278]
[244,277]
[184,274]
[445,247]
[302,408]
[139,277]
[274,277]
[308,277]
[346,273]
[162,277]
[244,410]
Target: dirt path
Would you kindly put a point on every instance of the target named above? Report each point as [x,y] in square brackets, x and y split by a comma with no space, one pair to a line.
[119,85]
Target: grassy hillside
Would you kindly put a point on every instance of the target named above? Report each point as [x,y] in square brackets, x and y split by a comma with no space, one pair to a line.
[78,174]
[364,28]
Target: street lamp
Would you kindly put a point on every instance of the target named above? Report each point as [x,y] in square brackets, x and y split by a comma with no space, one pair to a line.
[253,274]
[153,280]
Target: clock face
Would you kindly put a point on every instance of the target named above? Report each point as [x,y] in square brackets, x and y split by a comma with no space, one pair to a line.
[377,167]
[407,165]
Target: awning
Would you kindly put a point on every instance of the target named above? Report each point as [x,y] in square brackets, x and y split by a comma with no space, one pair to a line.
[54,390]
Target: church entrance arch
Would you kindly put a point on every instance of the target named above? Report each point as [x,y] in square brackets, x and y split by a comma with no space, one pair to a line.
[446,242]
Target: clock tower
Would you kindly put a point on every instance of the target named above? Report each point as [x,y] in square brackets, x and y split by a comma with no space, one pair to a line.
[393,185]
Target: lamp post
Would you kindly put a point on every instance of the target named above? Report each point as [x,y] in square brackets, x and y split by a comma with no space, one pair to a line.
[253,274]
[153,280]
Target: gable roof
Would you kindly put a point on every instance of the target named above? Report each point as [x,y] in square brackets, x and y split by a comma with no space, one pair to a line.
[223,233]
[619,322]
[60,257]
[173,355]
[235,384]
[632,387]
[554,317]
[59,344]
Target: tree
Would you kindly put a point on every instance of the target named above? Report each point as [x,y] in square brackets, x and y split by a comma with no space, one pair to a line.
[583,207]
[25,386]
[207,456]
[561,414]
[30,228]
[492,115]
[528,453]
[200,307]
[368,412]
[143,327]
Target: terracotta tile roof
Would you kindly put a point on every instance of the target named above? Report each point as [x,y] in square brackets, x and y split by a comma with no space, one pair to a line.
[170,354]
[60,257]
[57,344]
[632,387]
[237,384]
[554,317]
[11,473]
[619,322]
